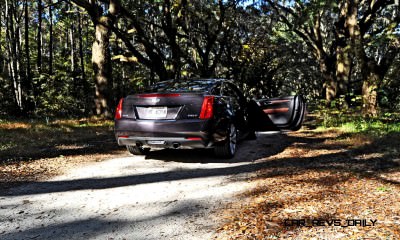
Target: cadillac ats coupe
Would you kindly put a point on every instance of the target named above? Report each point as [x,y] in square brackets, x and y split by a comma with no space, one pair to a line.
[200,113]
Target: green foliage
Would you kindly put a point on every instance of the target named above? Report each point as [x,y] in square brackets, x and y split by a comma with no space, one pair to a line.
[383,189]
[258,44]
[350,120]
[371,126]
[60,95]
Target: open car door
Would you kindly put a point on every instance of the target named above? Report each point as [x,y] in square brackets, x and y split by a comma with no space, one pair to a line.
[285,113]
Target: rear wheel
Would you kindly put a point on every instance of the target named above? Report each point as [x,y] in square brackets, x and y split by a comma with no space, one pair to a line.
[228,149]
[136,150]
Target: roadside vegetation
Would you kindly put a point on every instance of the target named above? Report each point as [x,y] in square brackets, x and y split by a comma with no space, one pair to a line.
[350,120]
[79,57]
[36,149]
[339,168]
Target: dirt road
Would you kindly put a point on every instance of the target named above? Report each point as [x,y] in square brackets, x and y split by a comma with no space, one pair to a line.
[170,194]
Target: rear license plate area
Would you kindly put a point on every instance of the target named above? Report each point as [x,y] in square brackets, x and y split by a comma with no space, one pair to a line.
[152,112]
[155,142]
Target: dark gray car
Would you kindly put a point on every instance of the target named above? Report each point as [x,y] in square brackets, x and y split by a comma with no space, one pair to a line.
[200,113]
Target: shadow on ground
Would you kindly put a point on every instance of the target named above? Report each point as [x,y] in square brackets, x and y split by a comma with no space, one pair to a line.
[96,226]
[248,151]
[385,159]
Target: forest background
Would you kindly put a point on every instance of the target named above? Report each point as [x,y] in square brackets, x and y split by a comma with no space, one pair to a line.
[76,58]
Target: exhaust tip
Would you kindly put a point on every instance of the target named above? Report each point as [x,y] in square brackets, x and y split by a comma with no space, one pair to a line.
[176,145]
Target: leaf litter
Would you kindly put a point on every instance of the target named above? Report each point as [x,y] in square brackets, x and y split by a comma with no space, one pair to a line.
[320,177]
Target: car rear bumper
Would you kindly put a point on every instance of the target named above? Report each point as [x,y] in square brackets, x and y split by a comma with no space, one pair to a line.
[163,142]
[191,133]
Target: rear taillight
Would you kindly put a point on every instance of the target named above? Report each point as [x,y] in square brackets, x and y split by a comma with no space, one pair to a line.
[118,111]
[207,107]
[194,138]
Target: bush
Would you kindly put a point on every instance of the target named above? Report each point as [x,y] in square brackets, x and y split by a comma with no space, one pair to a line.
[349,118]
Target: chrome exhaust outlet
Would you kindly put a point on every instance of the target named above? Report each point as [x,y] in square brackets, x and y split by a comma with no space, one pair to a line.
[176,145]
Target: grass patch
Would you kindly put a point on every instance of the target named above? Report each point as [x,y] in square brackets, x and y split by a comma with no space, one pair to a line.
[352,122]
[375,127]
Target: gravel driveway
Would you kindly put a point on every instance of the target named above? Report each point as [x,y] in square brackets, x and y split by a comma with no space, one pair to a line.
[170,194]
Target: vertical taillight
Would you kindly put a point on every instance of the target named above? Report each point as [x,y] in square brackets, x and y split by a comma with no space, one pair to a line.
[207,107]
[118,111]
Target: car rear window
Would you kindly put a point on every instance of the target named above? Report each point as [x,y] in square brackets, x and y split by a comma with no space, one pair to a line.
[181,86]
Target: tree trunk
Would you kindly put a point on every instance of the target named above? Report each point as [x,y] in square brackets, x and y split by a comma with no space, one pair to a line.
[26,34]
[13,67]
[330,86]
[343,67]
[39,37]
[50,37]
[71,31]
[330,82]
[101,58]
[370,91]
[369,68]
[101,61]
[30,98]
[17,60]
[81,56]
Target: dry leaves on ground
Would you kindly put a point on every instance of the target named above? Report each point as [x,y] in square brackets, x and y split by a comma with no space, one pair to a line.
[320,180]
[32,151]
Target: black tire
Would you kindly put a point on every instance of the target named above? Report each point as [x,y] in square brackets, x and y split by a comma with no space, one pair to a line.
[135,150]
[228,148]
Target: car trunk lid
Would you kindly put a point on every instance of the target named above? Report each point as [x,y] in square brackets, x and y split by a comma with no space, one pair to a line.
[163,106]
